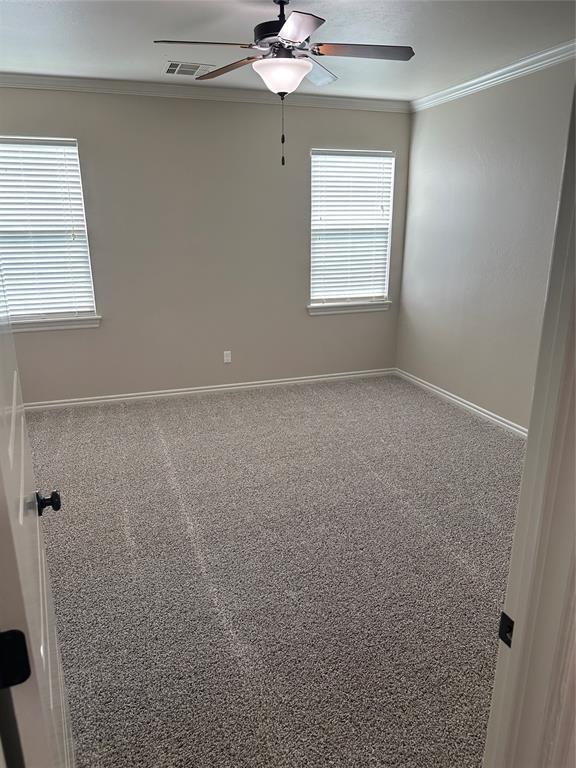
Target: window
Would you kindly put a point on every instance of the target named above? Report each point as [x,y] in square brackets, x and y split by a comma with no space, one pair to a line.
[44,255]
[352,196]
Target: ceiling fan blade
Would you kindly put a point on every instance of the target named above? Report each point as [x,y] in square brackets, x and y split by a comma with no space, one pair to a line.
[389,52]
[299,26]
[319,75]
[228,68]
[199,42]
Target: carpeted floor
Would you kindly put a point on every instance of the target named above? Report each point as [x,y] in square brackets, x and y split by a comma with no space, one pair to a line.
[290,577]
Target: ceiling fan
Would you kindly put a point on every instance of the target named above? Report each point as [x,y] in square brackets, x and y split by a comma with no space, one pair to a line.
[286,55]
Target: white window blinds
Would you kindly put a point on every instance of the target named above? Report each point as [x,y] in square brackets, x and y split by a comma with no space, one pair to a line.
[44,253]
[352,196]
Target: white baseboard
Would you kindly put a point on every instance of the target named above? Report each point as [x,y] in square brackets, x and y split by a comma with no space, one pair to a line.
[78,401]
[483,412]
[127,396]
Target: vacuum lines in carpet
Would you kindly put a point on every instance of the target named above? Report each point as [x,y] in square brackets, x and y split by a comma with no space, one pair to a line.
[292,577]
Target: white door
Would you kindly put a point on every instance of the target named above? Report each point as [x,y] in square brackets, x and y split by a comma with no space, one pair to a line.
[534,702]
[35,722]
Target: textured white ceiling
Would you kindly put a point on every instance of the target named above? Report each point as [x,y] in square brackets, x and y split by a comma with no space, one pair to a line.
[454,40]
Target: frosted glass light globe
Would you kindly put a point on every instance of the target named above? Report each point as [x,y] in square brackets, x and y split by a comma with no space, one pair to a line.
[282,75]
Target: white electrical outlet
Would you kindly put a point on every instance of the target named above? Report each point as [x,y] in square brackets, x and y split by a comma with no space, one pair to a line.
[227,356]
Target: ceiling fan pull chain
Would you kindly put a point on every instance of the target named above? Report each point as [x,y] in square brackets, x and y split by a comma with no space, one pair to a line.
[283,140]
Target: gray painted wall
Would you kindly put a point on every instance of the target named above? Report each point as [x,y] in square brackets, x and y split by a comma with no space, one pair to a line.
[200,243]
[484,185]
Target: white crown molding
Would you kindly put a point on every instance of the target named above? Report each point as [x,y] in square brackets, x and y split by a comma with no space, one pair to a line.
[526,66]
[511,426]
[200,92]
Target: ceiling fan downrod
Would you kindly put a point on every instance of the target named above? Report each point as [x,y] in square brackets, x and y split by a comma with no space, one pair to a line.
[282,3]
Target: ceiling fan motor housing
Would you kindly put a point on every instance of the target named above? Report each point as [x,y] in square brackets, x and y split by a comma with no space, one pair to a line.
[267,32]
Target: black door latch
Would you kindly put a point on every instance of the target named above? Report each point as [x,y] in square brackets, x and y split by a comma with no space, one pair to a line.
[506,629]
[53,501]
[14,662]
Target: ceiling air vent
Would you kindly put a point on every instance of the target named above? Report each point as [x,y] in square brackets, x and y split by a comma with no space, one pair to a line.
[186,68]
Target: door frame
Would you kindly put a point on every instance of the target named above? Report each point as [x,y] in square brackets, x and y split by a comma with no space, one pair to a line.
[532,715]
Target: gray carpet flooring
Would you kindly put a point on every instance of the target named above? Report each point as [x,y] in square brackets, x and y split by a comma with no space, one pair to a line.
[290,577]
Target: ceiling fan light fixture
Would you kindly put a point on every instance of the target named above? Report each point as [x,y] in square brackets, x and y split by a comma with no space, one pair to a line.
[282,75]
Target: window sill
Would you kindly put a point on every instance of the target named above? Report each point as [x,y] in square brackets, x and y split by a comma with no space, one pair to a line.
[348,307]
[55,324]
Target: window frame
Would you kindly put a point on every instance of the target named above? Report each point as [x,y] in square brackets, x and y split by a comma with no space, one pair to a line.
[50,321]
[351,305]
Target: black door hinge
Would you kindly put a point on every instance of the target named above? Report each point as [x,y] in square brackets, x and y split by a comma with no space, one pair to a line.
[14,662]
[506,629]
